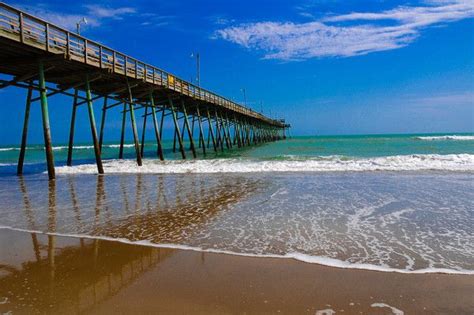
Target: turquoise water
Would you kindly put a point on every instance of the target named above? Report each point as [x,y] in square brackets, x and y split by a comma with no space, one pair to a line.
[344,147]
[401,203]
[368,146]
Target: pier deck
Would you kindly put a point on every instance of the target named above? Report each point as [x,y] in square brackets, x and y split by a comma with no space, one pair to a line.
[50,60]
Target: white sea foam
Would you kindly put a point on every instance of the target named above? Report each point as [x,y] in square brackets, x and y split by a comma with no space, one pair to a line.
[78,147]
[449,162]
[320,260]
[90,147]
[452,137]
[327,311]
[118,145]
[395,311]
[64,147]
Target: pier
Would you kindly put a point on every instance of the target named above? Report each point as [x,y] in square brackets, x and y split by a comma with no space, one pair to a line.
[48,60]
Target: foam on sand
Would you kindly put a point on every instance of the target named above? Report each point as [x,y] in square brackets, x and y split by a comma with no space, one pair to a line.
[394,310]
[325,261]
[419,162]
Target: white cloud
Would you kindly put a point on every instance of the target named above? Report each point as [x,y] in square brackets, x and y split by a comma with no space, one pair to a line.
[94,14]
[221,20]
[98,11]
[359,33]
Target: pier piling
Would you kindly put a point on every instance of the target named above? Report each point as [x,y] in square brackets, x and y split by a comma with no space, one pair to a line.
[24,135]
[95,140]
[157,130]
[190,134]
[46,128]
[66,63]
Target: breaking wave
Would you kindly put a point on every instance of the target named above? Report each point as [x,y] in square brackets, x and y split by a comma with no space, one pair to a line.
[453,137]
[422,162]
[64,147]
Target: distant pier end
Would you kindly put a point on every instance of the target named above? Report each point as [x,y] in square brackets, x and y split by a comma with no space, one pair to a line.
[47,60]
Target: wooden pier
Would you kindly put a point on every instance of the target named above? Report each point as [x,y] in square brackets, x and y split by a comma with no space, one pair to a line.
[49,60]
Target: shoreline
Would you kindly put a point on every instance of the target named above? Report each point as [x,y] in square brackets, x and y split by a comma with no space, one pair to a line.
[303,258]
[98,276]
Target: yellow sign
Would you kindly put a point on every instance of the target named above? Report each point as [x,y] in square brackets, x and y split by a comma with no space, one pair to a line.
[170,79]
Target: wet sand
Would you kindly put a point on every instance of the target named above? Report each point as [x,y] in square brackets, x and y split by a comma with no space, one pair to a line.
[59,275]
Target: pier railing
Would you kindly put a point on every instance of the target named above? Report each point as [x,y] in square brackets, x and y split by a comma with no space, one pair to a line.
[33,31]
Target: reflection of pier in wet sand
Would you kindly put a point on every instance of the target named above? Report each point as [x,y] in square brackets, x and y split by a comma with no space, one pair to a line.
[93,273]
[98,277]
[43,272]
[90,273]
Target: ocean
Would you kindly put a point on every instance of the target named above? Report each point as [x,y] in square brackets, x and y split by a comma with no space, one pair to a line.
[398,203]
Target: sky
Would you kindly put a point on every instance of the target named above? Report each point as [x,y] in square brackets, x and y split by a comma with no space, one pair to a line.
[326,66]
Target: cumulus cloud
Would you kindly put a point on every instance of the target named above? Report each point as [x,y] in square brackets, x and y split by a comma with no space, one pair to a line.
[346,35]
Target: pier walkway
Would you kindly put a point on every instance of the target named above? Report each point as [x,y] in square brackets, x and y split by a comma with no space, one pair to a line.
[49,60]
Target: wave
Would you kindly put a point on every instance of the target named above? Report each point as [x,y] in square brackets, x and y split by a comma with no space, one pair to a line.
[422,162]
[453,137]
[64,147]
[320,260]
[118,145]
[79,147]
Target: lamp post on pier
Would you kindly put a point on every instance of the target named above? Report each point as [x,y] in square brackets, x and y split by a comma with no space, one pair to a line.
[78,25]
[245,96]
[198,68]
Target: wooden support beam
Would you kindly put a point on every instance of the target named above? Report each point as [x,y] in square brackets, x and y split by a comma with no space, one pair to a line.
[242,133]
[26,77]
[134,127]
[109,95]
[237,133]
[95,140]
[155,124]
[174,141]
[162,122]
[248,133]
[220,143]
[24,135]
[201,133]
[102,123]
[46,129]
[114,105]
[211,130]
[83,99]
[192,125]
[71,86]
[227,123]
[142,149]
[32,61]
[180,139]
[71,129]
[208,136]
[122,134]
[183,129]
[193,149]
[224,131]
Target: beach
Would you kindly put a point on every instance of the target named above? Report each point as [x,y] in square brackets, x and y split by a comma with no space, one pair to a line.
[106,277]
[262,231]
[322,164]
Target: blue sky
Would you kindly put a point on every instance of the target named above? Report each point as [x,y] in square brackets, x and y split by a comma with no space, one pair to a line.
[327,66]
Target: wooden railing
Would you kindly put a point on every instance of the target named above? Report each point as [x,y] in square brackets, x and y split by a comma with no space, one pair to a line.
[33,31]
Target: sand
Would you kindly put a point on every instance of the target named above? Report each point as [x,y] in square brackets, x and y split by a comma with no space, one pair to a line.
[64,275]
